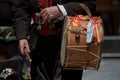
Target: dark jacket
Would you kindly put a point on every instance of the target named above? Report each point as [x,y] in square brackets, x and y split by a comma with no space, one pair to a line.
[5,12]
[24,9]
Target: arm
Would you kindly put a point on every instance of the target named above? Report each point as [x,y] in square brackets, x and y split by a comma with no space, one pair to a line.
[70,8]
[74,8]
[21,19]
[22,10]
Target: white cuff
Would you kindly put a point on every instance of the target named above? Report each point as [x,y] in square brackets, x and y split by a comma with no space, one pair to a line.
[62,9]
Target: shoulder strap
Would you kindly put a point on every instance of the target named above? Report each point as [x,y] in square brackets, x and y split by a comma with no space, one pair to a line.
[86,9]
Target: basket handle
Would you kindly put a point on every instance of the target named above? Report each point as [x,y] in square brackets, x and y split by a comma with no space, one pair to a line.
[86,9]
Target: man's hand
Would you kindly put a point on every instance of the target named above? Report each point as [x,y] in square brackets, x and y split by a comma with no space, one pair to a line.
[23,43]
[49,14]
[24,48]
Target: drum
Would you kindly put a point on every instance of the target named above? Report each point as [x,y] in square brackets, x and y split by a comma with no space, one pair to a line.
[81,42]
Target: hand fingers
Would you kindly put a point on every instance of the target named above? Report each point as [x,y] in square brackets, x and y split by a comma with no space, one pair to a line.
[21,49]
[23,44]
[44,16]
[27,55]
[49,14]
[27,47]
[27,51]
[44,19]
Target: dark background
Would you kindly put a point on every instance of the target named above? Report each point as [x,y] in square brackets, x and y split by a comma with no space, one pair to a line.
[109,10]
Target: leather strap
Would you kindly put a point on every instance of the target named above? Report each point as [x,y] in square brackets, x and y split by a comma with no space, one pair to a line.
[86,9]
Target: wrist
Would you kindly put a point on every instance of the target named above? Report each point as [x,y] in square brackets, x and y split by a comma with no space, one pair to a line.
[63,12]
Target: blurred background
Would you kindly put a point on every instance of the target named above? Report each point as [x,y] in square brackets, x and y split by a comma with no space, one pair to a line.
[109,10]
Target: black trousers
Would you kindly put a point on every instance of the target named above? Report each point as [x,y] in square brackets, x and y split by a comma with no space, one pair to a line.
[46,61]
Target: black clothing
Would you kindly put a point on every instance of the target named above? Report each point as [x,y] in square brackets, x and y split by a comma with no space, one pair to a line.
[5,12]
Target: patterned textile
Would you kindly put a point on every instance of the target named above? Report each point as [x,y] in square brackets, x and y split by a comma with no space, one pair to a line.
[7,33]
[49,28]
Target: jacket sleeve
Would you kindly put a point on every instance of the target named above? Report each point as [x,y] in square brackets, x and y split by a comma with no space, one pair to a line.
[21,18]
[74,8]
[22,11]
